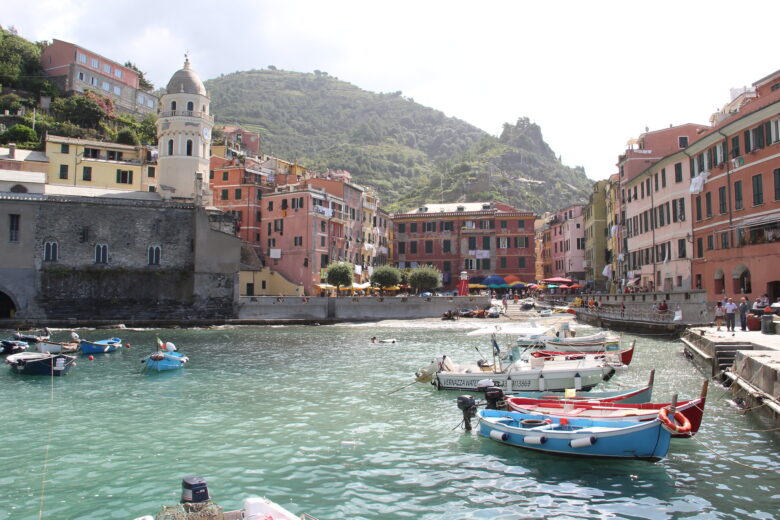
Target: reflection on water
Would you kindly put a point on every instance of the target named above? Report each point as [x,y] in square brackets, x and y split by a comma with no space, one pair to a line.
[305,416]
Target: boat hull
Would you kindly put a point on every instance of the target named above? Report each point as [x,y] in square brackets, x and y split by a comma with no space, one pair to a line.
[693,410]
[12,347]
[168,361]
[544,379]
[579,437]
[100,347]
[36,364]
[633,396]
[57,348]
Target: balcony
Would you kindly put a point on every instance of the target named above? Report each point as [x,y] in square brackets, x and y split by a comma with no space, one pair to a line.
[187,113]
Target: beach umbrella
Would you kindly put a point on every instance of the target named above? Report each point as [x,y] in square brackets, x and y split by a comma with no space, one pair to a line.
[575,286]
[493,280]
[477,286]
[510,279]
[518,284]
[552,286]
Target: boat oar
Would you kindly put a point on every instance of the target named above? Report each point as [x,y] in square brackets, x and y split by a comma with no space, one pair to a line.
[397,389]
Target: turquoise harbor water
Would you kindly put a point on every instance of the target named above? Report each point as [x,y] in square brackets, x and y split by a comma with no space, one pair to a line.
[304,416]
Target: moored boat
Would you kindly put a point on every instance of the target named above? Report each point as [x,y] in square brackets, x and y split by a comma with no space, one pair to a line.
[196,504]
[40,363]
[29,337]
[623,356]
[164,359]
[647,440]
[535,374]
[632,395]
[57,347]
[99,347]
[692,410]
[12,346]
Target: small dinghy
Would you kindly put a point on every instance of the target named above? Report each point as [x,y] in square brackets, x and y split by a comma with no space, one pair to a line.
[57,347]
[688,414]
[12,346]
[164,359]
[632,395]
[647,440]
[29,337]
[196,504]
[40,363]
[100,347]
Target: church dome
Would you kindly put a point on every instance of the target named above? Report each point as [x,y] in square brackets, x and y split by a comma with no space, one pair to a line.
[186,81]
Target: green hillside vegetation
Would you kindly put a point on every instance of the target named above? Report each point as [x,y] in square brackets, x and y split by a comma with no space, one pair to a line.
[409,153]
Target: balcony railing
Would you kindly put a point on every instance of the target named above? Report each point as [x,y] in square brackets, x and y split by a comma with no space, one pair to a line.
[187,113]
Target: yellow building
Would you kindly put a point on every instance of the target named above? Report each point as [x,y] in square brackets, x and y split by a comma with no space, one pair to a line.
[98,164]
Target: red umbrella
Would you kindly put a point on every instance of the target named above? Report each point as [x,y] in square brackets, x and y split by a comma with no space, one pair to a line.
[575,286]
[557,280]
[511,278]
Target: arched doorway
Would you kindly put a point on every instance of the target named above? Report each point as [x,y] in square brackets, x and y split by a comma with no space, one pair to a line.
[7,307]
[719,287]
[741,277]
[18,188]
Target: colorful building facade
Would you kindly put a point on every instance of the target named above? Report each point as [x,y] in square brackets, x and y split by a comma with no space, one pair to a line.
[479,238]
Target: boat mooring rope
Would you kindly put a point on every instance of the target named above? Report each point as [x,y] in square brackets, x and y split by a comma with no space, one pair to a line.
[723,457]
[48,442]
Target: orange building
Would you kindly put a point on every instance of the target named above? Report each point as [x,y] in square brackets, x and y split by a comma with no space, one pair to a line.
[736,196]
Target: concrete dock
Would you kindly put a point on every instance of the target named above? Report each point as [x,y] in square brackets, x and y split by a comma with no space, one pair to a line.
[748,362]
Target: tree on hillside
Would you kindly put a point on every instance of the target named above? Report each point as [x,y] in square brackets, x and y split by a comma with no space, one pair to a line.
[127,136]
[20,62]
[79,110]
[425,278]
[143,83]
[340,273]
[19,134]
[386,276]
[147,130]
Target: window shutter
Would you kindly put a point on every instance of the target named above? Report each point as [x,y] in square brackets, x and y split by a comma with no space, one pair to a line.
[118,176]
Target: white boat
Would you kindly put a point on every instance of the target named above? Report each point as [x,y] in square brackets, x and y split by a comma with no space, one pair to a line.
[534,374]
[56,347]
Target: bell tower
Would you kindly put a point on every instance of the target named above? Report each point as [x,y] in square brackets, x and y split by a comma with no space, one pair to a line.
[184,138]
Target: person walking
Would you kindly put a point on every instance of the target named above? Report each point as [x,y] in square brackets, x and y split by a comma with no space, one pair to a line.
[719,313]
[731,312]
[744,307]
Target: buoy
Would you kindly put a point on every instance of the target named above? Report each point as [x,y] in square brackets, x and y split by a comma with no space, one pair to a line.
[499,436]
[91,357]
[582,442]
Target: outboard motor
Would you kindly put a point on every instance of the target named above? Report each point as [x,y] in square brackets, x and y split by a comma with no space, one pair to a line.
[467,405]
[495,398]
[194,490]
[484,384]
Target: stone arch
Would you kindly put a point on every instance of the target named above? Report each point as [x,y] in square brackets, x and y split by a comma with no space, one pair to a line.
[720,284]
[18,188]
[8,306]
[741,280]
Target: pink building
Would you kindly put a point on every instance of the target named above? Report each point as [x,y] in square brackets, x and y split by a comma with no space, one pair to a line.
[659,225]
[567,234]
[76,69]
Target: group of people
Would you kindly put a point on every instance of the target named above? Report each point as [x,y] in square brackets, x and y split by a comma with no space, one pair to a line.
[728,309]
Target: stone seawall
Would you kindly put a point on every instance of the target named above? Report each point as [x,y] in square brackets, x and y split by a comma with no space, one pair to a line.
[358,308]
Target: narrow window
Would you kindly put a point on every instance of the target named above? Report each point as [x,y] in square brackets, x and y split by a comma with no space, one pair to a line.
[170,146]
[86,173]
[190,106]
[13,228]
[150,172]
[758,190]
[189,147]
[173,106]
[63,171]
[50,252]
[154,255]
[738,195]
[101,254]
[64,148]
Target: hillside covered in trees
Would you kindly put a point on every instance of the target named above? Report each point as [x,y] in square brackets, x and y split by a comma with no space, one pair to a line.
[408,152]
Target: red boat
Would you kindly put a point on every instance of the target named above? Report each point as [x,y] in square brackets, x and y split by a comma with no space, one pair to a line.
[691,411]
[625,356]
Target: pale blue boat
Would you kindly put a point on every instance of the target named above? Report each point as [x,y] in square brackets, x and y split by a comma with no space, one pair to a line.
[100,347]
[164,361]
[581,437]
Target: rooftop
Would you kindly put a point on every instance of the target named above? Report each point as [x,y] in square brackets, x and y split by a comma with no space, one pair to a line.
[88,142]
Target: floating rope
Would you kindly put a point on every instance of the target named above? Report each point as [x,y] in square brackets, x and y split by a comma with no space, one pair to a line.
[732,460]
[48,442]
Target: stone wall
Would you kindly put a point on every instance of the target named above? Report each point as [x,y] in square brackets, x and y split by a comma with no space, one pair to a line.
[357,308]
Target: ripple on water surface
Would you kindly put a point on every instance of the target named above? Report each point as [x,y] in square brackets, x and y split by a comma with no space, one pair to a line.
[307,416]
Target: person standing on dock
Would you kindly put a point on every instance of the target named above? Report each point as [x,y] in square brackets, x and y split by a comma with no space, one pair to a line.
[719,313]
[744,307]
[731,310]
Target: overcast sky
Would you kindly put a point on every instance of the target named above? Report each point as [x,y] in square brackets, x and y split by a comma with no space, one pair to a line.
[591,74]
